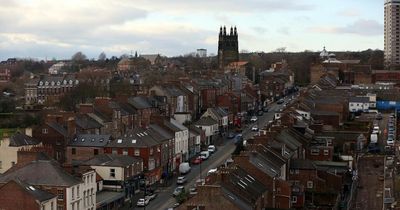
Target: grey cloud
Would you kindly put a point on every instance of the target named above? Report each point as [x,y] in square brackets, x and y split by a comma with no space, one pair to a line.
[359,27]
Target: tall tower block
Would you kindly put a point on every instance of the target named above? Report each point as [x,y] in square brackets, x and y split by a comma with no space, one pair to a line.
[392,34]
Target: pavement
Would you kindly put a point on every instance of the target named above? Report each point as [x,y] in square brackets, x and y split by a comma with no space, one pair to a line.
[165,200]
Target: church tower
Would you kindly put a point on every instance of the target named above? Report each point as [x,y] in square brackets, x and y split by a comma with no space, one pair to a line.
[228,47]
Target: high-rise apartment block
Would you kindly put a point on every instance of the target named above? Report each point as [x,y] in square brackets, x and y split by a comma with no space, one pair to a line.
[392,34]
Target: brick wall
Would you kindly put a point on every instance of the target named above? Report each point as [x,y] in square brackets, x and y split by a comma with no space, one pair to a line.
[82,153]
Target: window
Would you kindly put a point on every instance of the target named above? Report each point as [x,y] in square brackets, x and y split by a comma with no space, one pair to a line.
[73,193]
[294,199]
[77,192]
[91,178]
[326,152]
[114,151]
[45,131]
[151,151]
[52,206]
[1,165]
[60,207]
[112,172]
[91,196]
[310,184]
[125,152]
[314,151]
[96,151]
[291,171]
[84,199]
[60,195]
[137,152]
[73,151]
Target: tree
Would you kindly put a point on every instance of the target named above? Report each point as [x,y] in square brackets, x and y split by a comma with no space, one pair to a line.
[102,56]
[79,56]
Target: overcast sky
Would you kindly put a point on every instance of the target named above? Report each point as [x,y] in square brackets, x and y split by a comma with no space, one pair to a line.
[58,28]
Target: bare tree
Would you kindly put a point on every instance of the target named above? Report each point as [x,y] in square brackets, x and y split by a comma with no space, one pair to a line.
[102,56]
[79,56]
[281,50]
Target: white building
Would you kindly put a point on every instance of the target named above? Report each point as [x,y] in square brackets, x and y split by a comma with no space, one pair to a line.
[9,147]
[359,104]
[210,126]
[181,139]
[391,33]
[56,68]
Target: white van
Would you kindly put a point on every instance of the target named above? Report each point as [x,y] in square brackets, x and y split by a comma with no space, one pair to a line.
[184,168]
[374,138]
[204,155]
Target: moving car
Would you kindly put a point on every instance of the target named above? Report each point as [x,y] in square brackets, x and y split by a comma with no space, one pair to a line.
[142,202]
[280,101]
[253,119]
[181,180]
[178,191]
[254,128]
[151,196]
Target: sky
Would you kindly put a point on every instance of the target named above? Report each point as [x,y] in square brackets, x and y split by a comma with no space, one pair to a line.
[47,29]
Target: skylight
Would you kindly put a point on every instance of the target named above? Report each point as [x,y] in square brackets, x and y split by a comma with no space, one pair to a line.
[83,139]
[119,141]
[133,141]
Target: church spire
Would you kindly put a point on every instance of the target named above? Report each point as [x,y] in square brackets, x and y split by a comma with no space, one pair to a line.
[231,31]
[224,30]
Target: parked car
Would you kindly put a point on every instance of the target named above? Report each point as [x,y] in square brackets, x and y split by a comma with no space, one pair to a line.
[197,160]
[260,113]
[193,191]
[373,148]
[253,119]
[254,128]
[181,180]
[390,142]
[211,148]
[178,191]
[142,202]
[265,109]
[205,155]
[184,168]
[211,171]
[231,135]
[378,116]
[280,101]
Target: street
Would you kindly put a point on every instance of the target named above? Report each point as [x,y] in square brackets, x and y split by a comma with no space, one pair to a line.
[165,199]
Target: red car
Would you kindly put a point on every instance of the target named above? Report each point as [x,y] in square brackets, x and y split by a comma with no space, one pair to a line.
[197,160]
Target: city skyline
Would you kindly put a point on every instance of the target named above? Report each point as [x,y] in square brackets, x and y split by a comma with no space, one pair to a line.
[44,29]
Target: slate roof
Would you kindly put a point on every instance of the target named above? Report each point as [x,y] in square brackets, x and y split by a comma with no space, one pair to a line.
[251,189]
[139,138]
[359,100]
[302,164]
[42,173]
[267,160]
[163,132]
[36,193]
[140,102]
[86,122]
[90,140]
[20,139]
[112,160]
[291,142]
[206,121]
[57,127]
